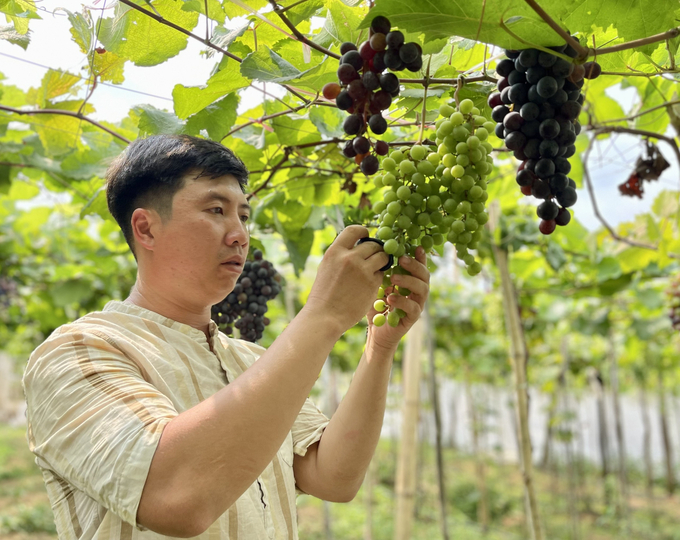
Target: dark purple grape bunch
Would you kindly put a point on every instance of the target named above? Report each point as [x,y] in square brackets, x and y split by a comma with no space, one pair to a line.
[536,109]
[245,307]
[365,91]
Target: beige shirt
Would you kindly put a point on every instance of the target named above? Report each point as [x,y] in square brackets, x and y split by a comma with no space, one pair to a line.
[99,393]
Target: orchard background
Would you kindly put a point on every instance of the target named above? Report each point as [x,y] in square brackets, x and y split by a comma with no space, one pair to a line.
[538,399]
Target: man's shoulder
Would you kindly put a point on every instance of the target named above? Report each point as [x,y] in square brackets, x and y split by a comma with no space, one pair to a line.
[246,350]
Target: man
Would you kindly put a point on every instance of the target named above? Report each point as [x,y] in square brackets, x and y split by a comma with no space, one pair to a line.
[147,422]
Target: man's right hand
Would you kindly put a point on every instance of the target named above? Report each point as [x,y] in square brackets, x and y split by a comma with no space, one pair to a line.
[348,278]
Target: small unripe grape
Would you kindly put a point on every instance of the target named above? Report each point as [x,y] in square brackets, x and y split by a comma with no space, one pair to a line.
[401,249]
[458,227]
[409,211]
[418,152]
[407,167]
[393,319]
[475,193]
[378,319]
[463,160]
[467,182]
[438,239]
[446,110]
[427,242]
[433,202]
[388,220]
[482,134]
[426,168]
[413,231]
[394,208]
[403,222]
[385,233]
[436,218]
[423,219]
[388,164]
[379,305]
[458,171]
[466,106]
[389,196]
[450,206]
[464,207]
[482,218]
[474,269]
[379,207]
[404,193]
[465,238]
[471,225]
[457,119]
[467,259]
[381,292]
[415,200]
[397,156]
[391,246]
[434,158]
[473,142]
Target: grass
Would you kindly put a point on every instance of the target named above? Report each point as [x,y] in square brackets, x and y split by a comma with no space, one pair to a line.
[25,513]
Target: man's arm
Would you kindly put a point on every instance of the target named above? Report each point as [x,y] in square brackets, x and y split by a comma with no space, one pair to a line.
[334,469]
[209,455]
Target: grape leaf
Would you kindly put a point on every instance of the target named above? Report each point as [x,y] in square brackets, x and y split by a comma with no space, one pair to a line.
[217,119]
[19,12]
[137,37]
[82,30]
[190,100]
[266,65]
[108,66]
[5,181]
[8,33]
[342,23]
[215,11]
[153,121]
[54,84]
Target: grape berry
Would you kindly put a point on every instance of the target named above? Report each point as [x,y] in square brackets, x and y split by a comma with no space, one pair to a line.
[364,91]
[244,308]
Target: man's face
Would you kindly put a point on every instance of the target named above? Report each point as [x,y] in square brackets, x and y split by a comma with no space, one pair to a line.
[200,250]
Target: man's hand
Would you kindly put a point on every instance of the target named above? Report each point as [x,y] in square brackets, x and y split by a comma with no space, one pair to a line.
[419,284]
[348,278]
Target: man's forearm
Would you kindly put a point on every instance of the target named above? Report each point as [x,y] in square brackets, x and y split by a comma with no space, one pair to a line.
[350,439]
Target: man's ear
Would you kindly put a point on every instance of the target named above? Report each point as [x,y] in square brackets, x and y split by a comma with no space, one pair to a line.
[144,223]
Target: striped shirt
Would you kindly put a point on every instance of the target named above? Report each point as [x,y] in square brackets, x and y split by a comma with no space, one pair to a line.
[99,393]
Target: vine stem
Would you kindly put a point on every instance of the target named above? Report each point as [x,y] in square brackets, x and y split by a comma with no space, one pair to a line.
[424,110]
[672,33]
[581,51]
[298,35]
[479,78]
[642,113]
[72,114]
[268,117]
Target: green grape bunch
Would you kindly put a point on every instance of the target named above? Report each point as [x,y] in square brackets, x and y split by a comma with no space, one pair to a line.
[435,195]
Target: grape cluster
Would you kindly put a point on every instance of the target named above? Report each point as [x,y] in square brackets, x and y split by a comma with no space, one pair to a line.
[365,91]
[536,108]
[435,195]
[245,306]
[673,294]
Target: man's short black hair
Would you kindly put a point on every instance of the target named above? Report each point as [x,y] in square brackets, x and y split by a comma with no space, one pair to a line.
[151,170]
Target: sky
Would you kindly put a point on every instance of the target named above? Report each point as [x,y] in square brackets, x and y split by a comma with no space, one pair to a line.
[611,162]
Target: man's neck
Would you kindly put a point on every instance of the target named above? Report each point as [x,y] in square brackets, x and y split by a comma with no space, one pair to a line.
[149,299]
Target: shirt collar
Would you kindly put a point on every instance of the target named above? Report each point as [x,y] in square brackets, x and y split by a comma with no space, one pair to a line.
[137,311]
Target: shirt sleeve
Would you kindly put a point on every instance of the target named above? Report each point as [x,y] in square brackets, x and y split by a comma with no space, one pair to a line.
[310,422]
[93,418]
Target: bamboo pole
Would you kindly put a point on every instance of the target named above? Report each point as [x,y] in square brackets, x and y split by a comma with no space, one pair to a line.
[665,434]
[408,450]
[519,357]
[434,398]
[623,482]
[480,470]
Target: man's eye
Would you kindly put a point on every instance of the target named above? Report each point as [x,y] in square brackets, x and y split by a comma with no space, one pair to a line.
[244,218]
[217,210]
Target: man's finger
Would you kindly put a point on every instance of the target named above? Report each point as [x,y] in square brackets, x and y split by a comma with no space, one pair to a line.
[380,259]
[417,267]
[350,236]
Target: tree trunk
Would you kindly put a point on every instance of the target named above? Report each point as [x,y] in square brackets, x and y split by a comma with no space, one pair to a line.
[408,450]
[564,402]
[545,459]
[434,398]
[665,435]
[483,505]
[623,481]
[519,356]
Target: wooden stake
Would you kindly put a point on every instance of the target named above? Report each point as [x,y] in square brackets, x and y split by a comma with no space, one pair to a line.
[408,450]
